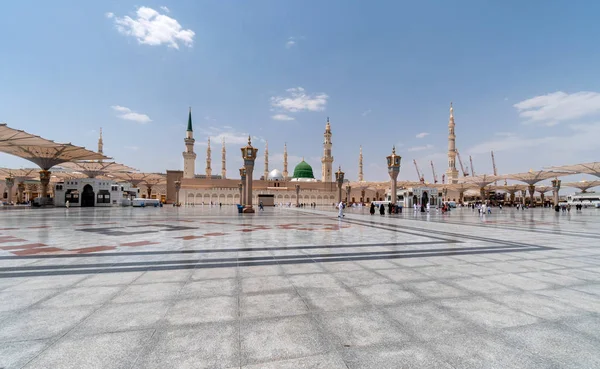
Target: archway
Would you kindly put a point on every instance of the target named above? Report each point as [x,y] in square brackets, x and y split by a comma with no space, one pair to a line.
[87,196]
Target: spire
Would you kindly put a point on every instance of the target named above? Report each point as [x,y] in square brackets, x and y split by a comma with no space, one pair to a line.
[189,127]
[327,126]
[360,165]
[266,173]
[100,143]
[223,157]
[285,162]
[208,160]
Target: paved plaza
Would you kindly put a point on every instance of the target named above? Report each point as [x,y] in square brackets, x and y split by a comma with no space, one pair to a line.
[204,287]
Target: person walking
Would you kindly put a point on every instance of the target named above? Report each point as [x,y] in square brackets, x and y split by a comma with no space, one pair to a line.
[261,206]
[381,210]
[341,210]
[372,210]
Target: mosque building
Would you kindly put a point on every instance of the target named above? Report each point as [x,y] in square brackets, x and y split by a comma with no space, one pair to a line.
[272,187]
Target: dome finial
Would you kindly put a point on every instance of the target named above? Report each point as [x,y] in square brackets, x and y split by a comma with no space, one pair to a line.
[394,150]
[249,141]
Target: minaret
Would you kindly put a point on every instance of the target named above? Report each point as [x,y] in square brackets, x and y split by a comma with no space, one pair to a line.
[223,168]
[208,155]
[189,156]
[327,159]
[100,144]
[451,173]
[360,166]
[266,160]
[285,171]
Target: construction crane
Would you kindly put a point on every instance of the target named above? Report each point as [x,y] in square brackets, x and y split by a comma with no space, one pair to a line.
[421,178]
[462,168]
[472,167]
[435,179]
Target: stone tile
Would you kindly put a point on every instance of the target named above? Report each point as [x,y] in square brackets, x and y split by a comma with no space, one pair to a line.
[209,288]
[536,305]
[556,279]
[80,296]
[429,321]
[162,276]
[47,282]
[376,264]
[592,289]
[109,350]
[260,271]
[16,300]
[488,313]
[205,346]
[268,284]
[434,289]
[481,350]
[267,340]
[326,361]
[574,298]
[341,266]
[307,268]
[362,327]
[121,317]
[480,285]
[360,278]
[148,292]
[589,325]
[412,262]
[110,279]
[214,273]
[408,356]
[328,299]
[568,348]
[271,305]
[385,294]
[402,274]
[17,354]
[442,272]
[314,280]
[203,310]
[509,267]
[41,323]
[518,281]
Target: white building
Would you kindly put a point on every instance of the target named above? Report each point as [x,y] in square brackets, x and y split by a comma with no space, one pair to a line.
[88,192]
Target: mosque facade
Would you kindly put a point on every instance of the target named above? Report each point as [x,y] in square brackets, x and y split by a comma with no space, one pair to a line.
[270,186]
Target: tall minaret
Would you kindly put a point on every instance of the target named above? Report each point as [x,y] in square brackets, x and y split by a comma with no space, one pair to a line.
[451,173]
[100,145]
[189,156]
[208,155]
[266,160]
[360,166]
[223,168]
[327,159]
[285,171]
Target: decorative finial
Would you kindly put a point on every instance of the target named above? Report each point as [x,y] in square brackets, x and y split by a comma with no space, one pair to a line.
[327,119]
[100,132]
[190,109]
[249,141]
[394,150]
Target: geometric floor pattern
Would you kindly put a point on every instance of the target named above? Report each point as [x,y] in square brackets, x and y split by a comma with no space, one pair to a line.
[204,287]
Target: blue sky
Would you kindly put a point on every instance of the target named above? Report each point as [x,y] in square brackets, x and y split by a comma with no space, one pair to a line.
[522,76]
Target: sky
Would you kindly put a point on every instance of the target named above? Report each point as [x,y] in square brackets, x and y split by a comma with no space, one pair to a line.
[522,76]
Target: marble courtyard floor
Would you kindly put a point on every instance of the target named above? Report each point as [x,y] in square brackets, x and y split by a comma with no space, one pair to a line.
[203,287]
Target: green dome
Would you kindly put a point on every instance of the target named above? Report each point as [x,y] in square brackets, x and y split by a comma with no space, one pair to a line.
[303,170]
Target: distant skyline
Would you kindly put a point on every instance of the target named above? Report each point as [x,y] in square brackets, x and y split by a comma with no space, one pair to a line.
[385,72]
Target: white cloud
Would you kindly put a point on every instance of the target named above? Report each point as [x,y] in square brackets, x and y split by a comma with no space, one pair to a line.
[109,15]
[165,9]
[132,148]
[290,43]
[152,28]
[556,107]
[420,148]
[127,114]
[231,136]
[422,135]
[299,100]
[282,117]
[366,112]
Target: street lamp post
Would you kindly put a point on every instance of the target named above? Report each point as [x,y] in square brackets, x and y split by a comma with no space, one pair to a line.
[177,188]
[249,155]
[339,177]
[348,189]
[555,189]
[242,186]
[393,163]
[297,195]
